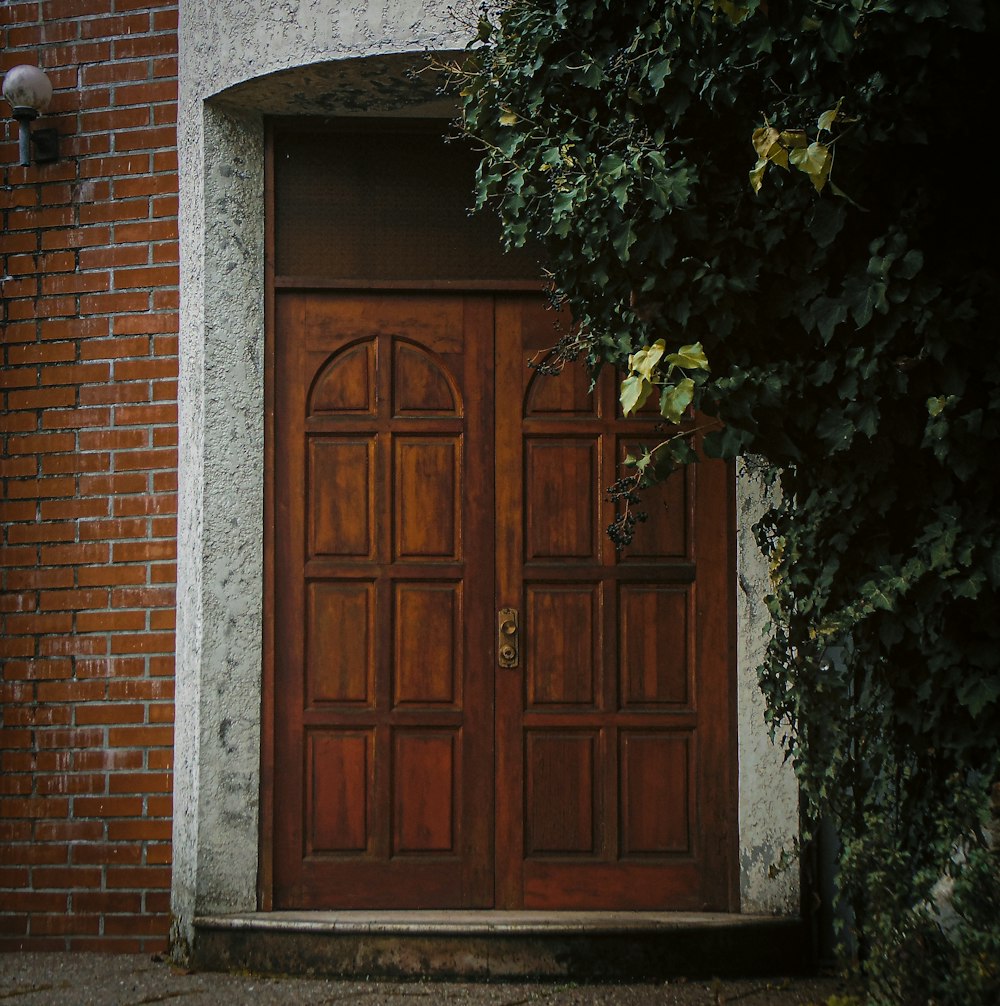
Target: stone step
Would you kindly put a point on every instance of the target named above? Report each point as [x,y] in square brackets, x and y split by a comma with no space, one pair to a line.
[502,944]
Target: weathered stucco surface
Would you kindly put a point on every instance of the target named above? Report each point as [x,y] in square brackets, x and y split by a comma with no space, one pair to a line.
[239,61]
[220,559]
[768,794]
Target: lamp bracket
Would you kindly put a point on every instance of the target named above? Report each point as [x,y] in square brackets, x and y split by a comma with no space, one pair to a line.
[45,143]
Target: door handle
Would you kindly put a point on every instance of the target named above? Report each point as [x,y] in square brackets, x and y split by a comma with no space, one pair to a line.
[507,637]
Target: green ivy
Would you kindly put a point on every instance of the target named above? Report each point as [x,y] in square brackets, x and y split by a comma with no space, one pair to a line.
[786,203]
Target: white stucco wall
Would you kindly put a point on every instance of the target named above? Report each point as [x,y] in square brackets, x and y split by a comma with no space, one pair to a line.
[768,795]
[240,60]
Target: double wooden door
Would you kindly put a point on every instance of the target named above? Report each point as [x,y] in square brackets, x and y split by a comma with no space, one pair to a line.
[478,703]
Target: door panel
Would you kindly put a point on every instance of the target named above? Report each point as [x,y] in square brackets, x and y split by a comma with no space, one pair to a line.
[425,477]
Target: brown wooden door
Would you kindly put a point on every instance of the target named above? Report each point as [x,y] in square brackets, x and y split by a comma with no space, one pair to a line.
[383,593]
[614,783]
[425,478]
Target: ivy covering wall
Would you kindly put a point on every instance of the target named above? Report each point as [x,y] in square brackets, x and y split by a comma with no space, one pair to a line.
[782,214]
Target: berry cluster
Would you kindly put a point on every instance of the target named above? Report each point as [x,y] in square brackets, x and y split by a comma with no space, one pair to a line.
[624,493]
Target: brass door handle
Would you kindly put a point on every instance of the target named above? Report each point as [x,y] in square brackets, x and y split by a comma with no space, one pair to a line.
[507,641]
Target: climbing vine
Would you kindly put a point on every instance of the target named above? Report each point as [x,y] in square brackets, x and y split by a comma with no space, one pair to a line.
[779,213]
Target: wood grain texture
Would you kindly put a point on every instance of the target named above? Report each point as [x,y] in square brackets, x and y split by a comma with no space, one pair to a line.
[382,687]
[615,769]
[451,481]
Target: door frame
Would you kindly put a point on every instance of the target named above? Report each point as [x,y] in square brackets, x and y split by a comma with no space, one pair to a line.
[220,851]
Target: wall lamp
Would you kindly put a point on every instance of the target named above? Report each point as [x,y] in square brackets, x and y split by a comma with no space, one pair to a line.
[29,92]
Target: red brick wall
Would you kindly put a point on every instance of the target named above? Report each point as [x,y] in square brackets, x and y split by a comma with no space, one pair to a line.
[88,275]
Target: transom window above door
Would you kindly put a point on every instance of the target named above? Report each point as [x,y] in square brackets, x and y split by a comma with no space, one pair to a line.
[361,202]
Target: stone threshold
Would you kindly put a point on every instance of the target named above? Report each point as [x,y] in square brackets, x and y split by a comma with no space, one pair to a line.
[485,945]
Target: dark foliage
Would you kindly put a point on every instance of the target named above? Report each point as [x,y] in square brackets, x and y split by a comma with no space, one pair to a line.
[845,294]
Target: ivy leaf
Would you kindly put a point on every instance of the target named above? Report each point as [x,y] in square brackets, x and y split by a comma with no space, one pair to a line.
[508,118]
[612,166]
[837,34]
[624,240]
[646,359]
[829,313]
[657,74]
[967,14]
[835,429]
[635,390]
[674,400]
[794,139]
[757,175]
[838,191]
[764,139]
[975,693]
[690,357]
[824,372]
[941,552]
[825,221]
[593,76]
[767,142]
[815,160]
[867,419]
[911,263]
[827,119]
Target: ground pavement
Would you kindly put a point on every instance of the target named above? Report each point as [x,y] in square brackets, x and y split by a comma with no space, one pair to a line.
[76,979]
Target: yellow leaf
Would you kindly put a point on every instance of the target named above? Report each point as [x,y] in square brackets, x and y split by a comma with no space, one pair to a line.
[508,118]
[690,357]
[757,175]
[764,139]
[826,120]
[767,143]
[794,138]
[675,400]
[646,359]
[634,392]
[816,161]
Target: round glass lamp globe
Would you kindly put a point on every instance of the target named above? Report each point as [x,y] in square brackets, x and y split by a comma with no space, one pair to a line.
[27,87]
